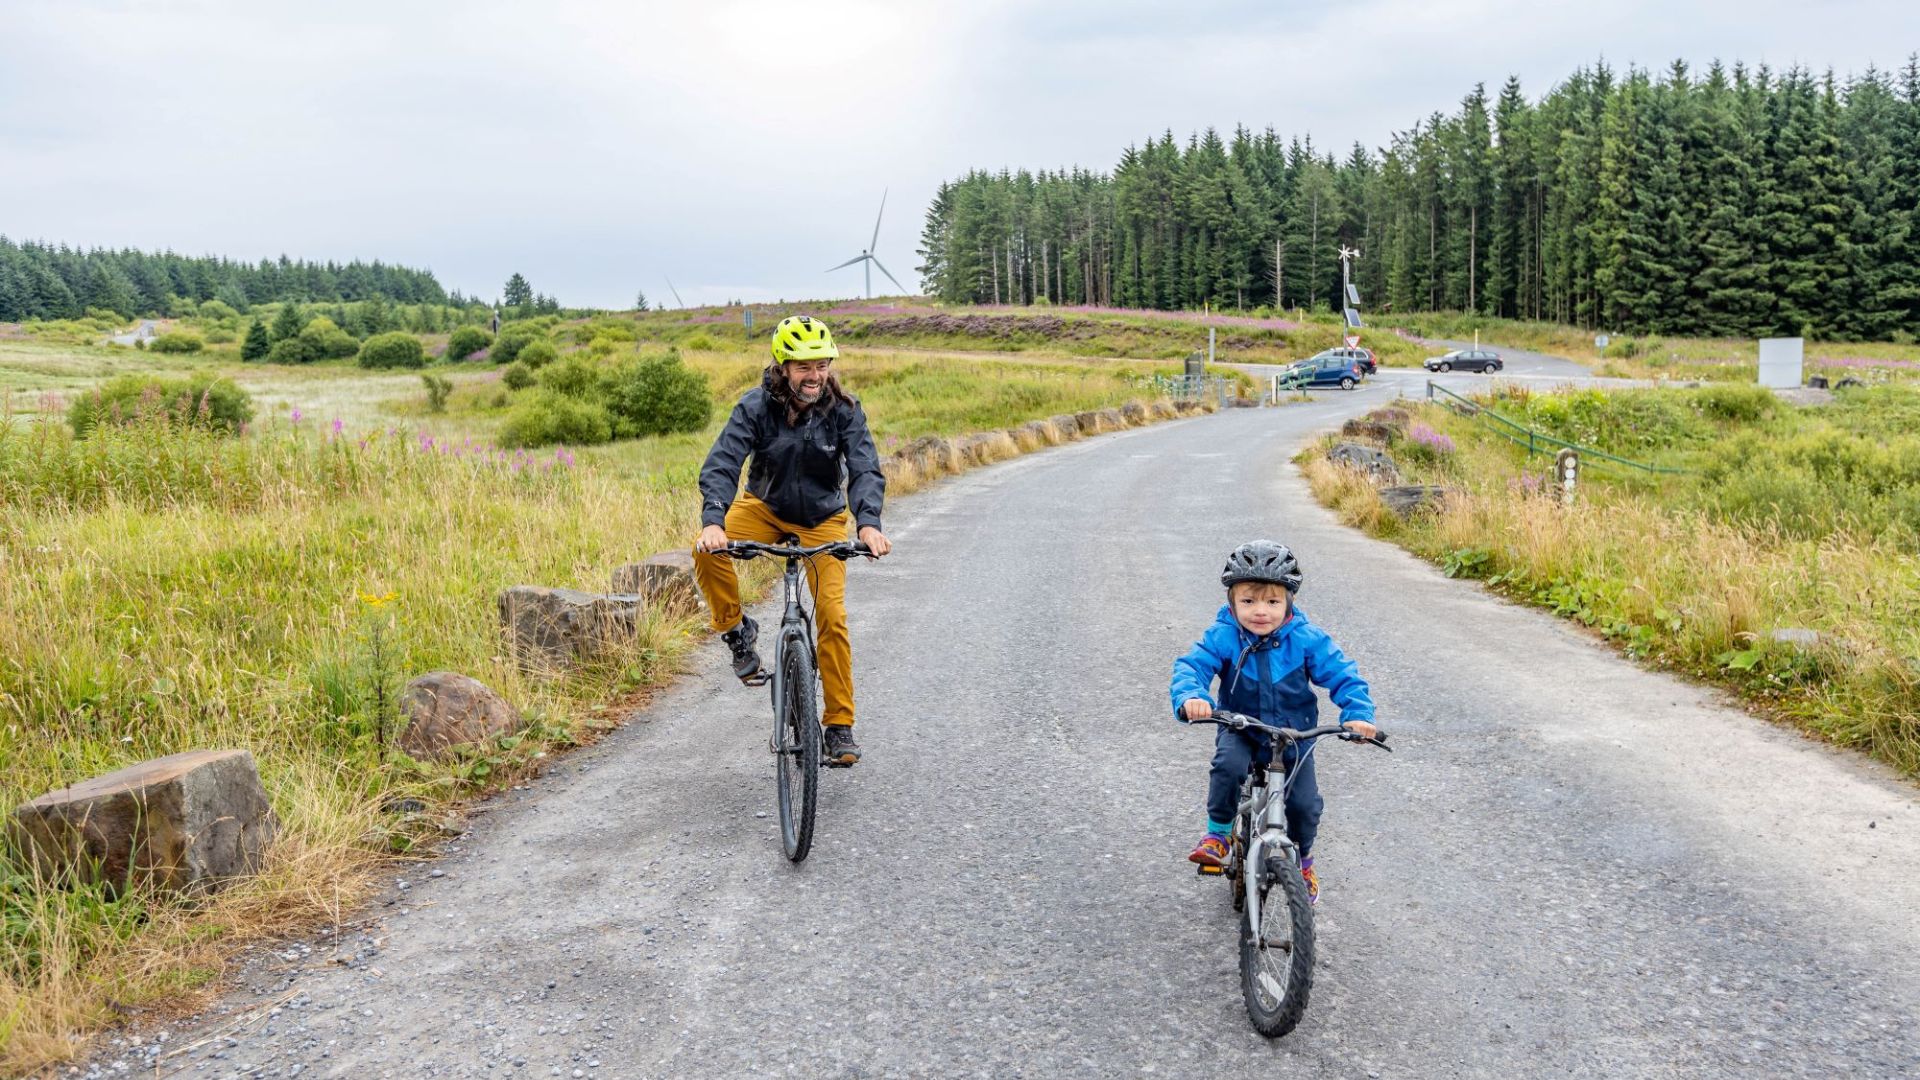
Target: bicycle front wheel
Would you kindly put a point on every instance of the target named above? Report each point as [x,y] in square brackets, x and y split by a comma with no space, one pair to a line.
[1276,957]
[797,758]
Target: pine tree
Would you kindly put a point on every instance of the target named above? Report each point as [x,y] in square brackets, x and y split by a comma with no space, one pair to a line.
[640,300]
[286,322]
[517,292]
[256,345]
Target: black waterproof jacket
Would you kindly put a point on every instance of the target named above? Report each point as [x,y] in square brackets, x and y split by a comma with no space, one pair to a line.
[807,471]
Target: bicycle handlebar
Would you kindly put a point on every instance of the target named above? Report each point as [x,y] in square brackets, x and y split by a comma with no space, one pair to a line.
[1242,722]
[841,549]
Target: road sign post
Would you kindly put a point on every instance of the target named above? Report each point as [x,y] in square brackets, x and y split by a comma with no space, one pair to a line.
[1349,294]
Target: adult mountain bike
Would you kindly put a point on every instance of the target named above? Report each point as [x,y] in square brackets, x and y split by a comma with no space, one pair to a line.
[795,678]
[1263,866]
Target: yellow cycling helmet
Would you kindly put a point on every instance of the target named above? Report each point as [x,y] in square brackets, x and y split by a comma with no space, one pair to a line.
[802,337]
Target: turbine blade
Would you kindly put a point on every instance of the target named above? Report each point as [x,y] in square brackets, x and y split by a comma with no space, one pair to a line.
[890,277]
[876,221]
[677,302]
[849,262]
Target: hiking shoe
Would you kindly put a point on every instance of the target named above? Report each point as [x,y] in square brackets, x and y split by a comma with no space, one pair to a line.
[1312,880]
[741,639]
[1210,851]
[841,750]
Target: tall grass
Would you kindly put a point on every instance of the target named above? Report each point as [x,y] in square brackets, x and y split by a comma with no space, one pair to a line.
[1695,572]
[165,589]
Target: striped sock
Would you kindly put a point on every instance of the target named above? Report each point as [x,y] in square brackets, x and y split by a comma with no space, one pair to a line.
[1221,829]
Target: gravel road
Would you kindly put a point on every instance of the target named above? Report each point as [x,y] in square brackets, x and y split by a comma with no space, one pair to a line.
[1570,866]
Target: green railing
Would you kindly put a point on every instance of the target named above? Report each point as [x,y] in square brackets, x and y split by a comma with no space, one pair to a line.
[1539,442]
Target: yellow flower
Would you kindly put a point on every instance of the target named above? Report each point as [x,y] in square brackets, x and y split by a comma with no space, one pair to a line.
[377,602]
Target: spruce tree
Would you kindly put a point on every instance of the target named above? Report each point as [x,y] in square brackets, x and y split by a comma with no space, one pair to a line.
[286,322]
[517,292]
[256,345]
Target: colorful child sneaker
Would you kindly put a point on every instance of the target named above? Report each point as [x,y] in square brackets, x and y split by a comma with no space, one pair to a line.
[1210,851]
[1312,880]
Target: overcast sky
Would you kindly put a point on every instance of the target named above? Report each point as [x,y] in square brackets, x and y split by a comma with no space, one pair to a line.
[739,147]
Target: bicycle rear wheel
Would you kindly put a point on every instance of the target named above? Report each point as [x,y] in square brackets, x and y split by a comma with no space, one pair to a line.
[1276,958]
[797,759]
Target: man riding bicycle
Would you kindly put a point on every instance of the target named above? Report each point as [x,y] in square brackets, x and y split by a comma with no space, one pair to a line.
[814,466]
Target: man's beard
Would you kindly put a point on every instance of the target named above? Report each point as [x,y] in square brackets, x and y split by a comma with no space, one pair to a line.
[807,397]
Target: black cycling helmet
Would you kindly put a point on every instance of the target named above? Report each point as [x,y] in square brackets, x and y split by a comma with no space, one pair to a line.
[1262,560]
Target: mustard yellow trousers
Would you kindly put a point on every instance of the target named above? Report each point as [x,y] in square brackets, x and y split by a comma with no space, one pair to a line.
[751,519]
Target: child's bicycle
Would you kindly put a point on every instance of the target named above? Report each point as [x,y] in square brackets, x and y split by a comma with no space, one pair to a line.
[795,677]
[1276,924]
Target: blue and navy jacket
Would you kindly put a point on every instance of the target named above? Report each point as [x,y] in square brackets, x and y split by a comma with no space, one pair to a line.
[1270,678]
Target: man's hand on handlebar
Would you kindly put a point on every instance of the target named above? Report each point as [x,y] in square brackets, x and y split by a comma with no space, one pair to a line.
[712,539]
[1198,708]
[875,540]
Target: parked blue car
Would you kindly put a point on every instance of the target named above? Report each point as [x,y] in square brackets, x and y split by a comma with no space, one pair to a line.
[1322,372]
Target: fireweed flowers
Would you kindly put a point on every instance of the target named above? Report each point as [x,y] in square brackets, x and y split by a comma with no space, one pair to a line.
[1429,438]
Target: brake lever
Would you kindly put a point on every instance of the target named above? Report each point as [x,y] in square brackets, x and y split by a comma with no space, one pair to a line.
[1379,740]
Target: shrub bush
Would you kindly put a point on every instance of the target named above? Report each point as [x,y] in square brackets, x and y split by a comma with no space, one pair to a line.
[700,340]
[327,341]
[199,401]
[548,418]
[438,388]
[217,309]
[293,350]
[177,341]
[574,377]
[393,350]
[220,335]
[538,354]
[1744,404]
[467,340]
[518,376]
[657,396]
[513,338]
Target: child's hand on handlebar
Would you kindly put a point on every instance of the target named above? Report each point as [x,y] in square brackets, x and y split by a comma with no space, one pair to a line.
[712,538]
[1361,728]
[1196,708]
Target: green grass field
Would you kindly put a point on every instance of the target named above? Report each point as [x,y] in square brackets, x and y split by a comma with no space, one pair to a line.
[1788,518]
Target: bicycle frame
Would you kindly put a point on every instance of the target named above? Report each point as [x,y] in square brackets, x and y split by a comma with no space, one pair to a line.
[795,621]
[1264,809]
[1263,806]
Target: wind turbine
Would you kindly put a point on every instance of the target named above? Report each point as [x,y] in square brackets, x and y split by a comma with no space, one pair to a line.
[677,302]
[867,255]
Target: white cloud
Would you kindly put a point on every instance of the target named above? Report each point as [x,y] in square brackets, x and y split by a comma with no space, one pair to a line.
[739,146]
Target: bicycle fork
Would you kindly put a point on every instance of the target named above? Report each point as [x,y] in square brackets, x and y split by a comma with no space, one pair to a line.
[1269,838]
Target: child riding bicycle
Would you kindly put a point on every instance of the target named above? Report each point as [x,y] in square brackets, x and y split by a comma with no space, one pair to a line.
[1266,658]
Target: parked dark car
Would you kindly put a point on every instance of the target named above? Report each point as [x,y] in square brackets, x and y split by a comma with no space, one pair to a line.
[1481,360]
[1361,356]
[1322,371]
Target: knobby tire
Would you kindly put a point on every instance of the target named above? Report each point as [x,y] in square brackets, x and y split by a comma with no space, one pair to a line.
[1284,907]
[798,763]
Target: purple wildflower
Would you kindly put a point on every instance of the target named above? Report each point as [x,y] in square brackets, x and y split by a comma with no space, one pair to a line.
[296,415]
[1428,437]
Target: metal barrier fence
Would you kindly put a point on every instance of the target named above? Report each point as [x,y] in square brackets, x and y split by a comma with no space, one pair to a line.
[1539,442]
[1190,387]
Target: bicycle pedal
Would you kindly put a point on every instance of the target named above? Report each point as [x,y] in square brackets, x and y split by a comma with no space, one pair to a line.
[1210,871]
[758,678]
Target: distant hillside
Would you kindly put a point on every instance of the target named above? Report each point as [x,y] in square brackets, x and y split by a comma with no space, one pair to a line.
[41,281]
